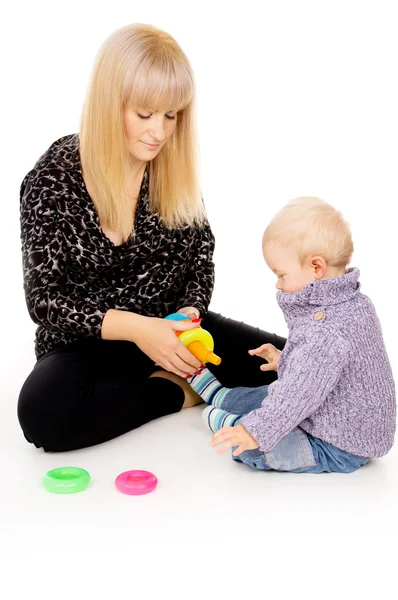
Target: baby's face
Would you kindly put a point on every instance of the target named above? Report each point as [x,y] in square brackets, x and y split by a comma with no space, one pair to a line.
[284,262]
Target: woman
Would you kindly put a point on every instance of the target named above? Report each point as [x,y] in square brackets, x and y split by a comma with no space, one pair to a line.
[115,237]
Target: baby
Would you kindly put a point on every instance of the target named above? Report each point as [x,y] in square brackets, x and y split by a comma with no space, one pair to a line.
[333,405]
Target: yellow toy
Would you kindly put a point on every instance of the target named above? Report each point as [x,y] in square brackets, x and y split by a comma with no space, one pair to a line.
[198,341]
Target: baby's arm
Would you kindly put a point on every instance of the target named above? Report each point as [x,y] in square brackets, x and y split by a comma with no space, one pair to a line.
[310,373]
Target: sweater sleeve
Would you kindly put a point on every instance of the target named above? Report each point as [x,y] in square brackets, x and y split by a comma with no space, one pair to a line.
[51,300]
[309,375]
[199,280]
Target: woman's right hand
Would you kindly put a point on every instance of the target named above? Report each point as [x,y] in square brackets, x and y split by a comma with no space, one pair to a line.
[158,340]
[270,354]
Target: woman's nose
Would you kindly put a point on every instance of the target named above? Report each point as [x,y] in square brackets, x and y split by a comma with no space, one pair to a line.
[157,131]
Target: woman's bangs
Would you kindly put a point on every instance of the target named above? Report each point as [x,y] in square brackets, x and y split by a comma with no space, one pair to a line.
[161,89]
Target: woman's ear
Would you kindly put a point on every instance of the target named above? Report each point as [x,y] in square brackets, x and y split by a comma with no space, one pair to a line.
[319,266]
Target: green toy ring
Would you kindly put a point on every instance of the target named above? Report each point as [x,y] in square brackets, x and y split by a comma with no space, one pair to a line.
[66,480]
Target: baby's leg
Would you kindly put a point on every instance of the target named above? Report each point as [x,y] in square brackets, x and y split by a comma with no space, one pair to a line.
[240,400]
[216,418]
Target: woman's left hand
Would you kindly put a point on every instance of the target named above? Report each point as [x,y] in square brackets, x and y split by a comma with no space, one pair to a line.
[233,436]
[190,311]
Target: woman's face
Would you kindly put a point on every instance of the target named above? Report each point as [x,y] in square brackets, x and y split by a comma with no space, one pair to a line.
[147,131]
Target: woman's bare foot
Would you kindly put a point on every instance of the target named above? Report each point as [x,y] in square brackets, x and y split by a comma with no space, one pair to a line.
[191,397]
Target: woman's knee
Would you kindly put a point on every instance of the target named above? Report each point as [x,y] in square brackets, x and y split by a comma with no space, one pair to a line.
[29,410]
[41,406]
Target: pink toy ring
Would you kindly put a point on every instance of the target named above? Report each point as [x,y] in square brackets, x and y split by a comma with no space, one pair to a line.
[136,482]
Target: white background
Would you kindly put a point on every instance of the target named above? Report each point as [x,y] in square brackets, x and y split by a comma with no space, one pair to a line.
[294,98]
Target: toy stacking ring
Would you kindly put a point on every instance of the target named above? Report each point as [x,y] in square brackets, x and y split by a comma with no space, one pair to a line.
[136,482]
[66,480]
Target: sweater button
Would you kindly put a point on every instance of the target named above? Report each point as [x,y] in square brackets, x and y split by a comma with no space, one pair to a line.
[319,315]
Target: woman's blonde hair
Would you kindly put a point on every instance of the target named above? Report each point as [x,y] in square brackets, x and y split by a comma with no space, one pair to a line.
[141,66]
[315,228]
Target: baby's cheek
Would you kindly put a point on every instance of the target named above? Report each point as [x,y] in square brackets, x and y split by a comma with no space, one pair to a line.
[292,285]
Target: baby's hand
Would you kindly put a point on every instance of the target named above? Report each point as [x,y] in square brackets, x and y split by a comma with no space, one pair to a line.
[233,436]
[270,354]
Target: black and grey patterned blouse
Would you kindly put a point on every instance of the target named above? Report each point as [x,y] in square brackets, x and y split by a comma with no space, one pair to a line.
[73,273]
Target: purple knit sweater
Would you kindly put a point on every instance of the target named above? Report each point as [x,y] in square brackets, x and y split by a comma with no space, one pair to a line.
[334,375]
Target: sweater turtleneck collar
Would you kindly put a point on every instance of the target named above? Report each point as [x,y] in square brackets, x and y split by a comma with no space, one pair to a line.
[322,292]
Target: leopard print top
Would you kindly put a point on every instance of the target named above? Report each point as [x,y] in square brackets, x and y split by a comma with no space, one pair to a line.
[73,273]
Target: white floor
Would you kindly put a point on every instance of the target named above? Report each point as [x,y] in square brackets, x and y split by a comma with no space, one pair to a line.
[205,504]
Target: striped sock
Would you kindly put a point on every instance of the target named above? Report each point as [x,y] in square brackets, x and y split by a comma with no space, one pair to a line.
[208,387]
[216,418]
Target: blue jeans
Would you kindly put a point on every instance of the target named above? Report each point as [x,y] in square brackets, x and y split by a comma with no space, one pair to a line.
[297,452]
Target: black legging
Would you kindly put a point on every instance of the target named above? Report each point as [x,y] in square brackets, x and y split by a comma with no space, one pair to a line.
[94,390]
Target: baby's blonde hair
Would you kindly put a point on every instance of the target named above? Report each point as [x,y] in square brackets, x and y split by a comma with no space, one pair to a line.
[315,228]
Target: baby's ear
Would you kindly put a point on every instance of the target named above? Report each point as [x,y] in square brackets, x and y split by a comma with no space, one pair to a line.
[319,266]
